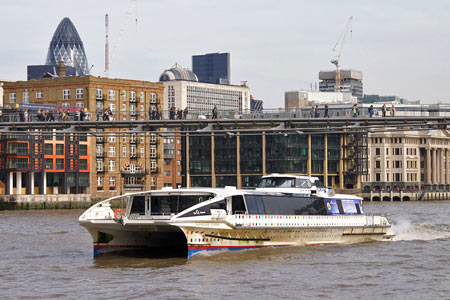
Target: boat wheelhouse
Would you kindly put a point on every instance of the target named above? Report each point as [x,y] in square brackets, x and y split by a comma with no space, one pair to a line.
[187,221]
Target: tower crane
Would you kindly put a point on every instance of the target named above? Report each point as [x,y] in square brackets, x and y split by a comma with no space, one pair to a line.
[337,58]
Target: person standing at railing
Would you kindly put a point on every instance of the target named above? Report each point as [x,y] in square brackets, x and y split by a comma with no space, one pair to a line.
[158,114]
[383,110]
[172,113]
[312,112]
[326,111]
[214,112]
[316,112]
[392,111]
[21,115]
[355,110]
[185,113]
[371,111]
[151,113]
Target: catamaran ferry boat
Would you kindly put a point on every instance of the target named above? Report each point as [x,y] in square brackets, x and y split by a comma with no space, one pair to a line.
[203,219]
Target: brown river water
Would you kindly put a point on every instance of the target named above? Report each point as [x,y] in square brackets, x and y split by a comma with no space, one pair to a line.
[47,255]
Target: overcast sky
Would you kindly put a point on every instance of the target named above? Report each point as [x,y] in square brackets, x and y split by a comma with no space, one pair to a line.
[402,47]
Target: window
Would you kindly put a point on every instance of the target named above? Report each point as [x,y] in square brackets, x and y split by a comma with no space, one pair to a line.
[66,94]
[48,163]
[124,96]
[153,164]
[377,177]
[99,180]
[387,151]
[124,108]
[112,138]
[39,95]
[124,151]
[112,151]
[60,164]
[99,94]
[112,181]
[377,164]
[99,165]
[12,98]
[152,97]
[142,98]
[79,104]
[142,151]
[112,95]
[179,162]
[132,96]
[387,164]
[377,151]
[112,166]
[83,164]
[48,149]
[83,149]
[153,181]
[80,93]
[152,151]
[26,97]
[166,173]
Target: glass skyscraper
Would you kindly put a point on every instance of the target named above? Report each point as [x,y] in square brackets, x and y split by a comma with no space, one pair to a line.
[212,68]
[66,45]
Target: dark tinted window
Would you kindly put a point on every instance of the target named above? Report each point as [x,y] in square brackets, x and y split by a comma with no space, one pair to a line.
[175,203]
[284,205]
[237,205]
[138,205]
[206,209]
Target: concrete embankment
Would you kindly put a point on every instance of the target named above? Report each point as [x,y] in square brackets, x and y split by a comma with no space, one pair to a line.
[406,196]
[45,201]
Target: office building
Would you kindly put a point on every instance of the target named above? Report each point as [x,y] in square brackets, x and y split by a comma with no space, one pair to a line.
[212,68]
[119,162]
[351,82]
[294,100]
[182,91]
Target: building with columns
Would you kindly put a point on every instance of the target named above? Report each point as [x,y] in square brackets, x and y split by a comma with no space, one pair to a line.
[408,160]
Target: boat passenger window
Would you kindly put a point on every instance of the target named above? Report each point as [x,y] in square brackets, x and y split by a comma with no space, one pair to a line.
[237,205]
[138,205]
[303,183]
[206,209]
[173,204]
[255,205]
[283,182]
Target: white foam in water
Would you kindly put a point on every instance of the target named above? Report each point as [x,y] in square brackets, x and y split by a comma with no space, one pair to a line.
[405,231]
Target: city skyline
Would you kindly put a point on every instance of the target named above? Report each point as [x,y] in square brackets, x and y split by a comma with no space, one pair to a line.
[399,47]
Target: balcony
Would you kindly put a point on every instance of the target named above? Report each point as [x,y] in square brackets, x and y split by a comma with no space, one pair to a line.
[100,154]
[100,140]
[101,170]
[154,170]
[134,156]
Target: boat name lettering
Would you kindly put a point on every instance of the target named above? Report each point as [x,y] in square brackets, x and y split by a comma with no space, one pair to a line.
[198,212]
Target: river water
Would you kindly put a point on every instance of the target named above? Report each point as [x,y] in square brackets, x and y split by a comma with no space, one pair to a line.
[47,255]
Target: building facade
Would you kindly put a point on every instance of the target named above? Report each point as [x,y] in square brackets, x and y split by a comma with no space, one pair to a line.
[351,82]
[408,160]
[294,100]
[212,68]
[241,159]
[121,161]
[200,98]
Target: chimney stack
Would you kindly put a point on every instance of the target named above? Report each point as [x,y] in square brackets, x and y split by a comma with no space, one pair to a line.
[61,69]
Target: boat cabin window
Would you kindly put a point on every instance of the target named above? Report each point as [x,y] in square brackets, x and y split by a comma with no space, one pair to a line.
[138,205]
[343,207]
[238,205]
[206,209]
[303,183]
[173,204]
[283,182]
[284,205]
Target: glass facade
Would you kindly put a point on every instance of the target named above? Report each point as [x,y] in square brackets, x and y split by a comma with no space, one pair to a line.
[251,154]
[286,154]
[66,45]
[222,181]
[212,68]
[334,153]
[200,155]
[225,154]
[317,153]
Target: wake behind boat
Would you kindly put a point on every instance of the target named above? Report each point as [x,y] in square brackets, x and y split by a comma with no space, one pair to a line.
[203,219]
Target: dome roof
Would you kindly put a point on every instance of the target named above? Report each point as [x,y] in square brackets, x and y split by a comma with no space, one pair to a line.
[178,73]
[66,45]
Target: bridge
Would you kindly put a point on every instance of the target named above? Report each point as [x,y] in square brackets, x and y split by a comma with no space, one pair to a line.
[244,125]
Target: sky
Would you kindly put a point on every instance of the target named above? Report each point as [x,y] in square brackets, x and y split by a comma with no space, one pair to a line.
[402,47]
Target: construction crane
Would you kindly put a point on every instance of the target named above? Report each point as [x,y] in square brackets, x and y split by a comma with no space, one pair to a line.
[337,58]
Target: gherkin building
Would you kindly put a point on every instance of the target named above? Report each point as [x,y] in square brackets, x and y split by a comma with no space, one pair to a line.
[66,45]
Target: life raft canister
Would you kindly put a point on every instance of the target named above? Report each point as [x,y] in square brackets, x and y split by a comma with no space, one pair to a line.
[118,213]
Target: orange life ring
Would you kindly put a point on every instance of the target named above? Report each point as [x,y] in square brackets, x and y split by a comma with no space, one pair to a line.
[116,213]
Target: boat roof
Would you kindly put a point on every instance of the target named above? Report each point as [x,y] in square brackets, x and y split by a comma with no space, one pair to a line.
[291,176]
